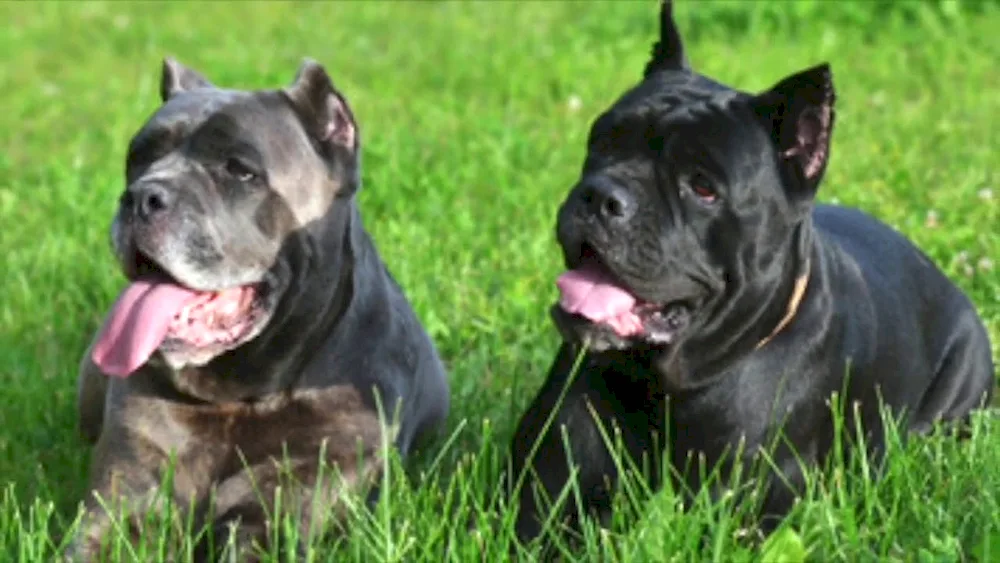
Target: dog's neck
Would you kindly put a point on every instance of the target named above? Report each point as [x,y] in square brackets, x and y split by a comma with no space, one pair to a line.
[274,361]
[798,292]
[758,316]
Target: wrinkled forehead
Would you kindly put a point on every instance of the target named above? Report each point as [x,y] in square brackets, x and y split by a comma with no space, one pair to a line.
[683,115]
[211,126]
[215,121]
[722,126]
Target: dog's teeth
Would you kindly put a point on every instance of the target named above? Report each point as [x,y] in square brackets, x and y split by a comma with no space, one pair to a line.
[234,306]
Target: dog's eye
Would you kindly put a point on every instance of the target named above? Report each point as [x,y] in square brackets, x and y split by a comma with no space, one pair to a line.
[240,171]
[703,188]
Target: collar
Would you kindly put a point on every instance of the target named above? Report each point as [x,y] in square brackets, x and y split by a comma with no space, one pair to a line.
[793,306]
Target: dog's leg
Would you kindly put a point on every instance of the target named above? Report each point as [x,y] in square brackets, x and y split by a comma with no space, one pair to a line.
[314,487]
[783,485]
[964,380]
[91,388]
[248,504]
[125,488]
[567,436]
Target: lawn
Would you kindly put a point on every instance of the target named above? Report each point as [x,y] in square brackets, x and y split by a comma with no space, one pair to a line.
[473,119]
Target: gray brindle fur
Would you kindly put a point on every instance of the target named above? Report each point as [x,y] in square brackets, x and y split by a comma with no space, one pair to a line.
[229,187]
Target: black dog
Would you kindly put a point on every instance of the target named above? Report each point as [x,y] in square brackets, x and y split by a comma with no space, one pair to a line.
[720,306]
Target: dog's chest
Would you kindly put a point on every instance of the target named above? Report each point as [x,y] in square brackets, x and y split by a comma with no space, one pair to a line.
[746,410]
[213,442]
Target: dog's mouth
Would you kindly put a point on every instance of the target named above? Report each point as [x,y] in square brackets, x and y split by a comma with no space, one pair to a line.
[156,312]
[591,293]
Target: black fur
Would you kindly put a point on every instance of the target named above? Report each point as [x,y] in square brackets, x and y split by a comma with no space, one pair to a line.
[877,318]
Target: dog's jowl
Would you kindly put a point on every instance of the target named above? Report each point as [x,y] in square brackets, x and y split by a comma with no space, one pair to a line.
[721,308]
[260,335]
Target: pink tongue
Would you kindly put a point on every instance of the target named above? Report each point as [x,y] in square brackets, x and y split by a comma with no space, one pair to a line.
[589,292]
[137,324]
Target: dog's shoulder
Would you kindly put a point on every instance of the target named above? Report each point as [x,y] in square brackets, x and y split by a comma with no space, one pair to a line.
[889,262]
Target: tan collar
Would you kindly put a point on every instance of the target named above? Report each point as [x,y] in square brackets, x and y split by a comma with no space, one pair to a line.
[793,306]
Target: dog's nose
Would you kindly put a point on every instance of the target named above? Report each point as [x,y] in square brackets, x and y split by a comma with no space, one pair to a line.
[147,200]
[609,200]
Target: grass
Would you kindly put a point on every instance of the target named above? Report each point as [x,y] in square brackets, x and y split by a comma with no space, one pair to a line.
[473,118]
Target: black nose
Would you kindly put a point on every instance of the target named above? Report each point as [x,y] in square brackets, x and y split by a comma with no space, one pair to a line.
[607,199]
[147,200]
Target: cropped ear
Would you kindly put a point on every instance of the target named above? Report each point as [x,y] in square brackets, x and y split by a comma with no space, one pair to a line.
[668,52]
[799,113]
[177,78]
[323,110]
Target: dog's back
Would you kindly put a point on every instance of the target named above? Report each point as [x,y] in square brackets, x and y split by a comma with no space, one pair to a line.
[923,327]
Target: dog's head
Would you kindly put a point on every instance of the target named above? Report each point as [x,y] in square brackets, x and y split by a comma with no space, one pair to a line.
[218,184]
[690,196]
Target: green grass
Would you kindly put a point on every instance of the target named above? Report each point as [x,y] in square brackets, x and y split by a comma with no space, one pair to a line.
[473,118]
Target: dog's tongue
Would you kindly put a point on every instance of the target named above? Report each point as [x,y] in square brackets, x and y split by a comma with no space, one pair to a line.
[590,292]
[137,324]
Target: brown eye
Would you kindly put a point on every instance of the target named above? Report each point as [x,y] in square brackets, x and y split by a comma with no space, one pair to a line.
[240,171]
[703,188]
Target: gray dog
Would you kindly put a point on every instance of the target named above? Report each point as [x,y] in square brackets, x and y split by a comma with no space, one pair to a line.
[260,329]
[722,308]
